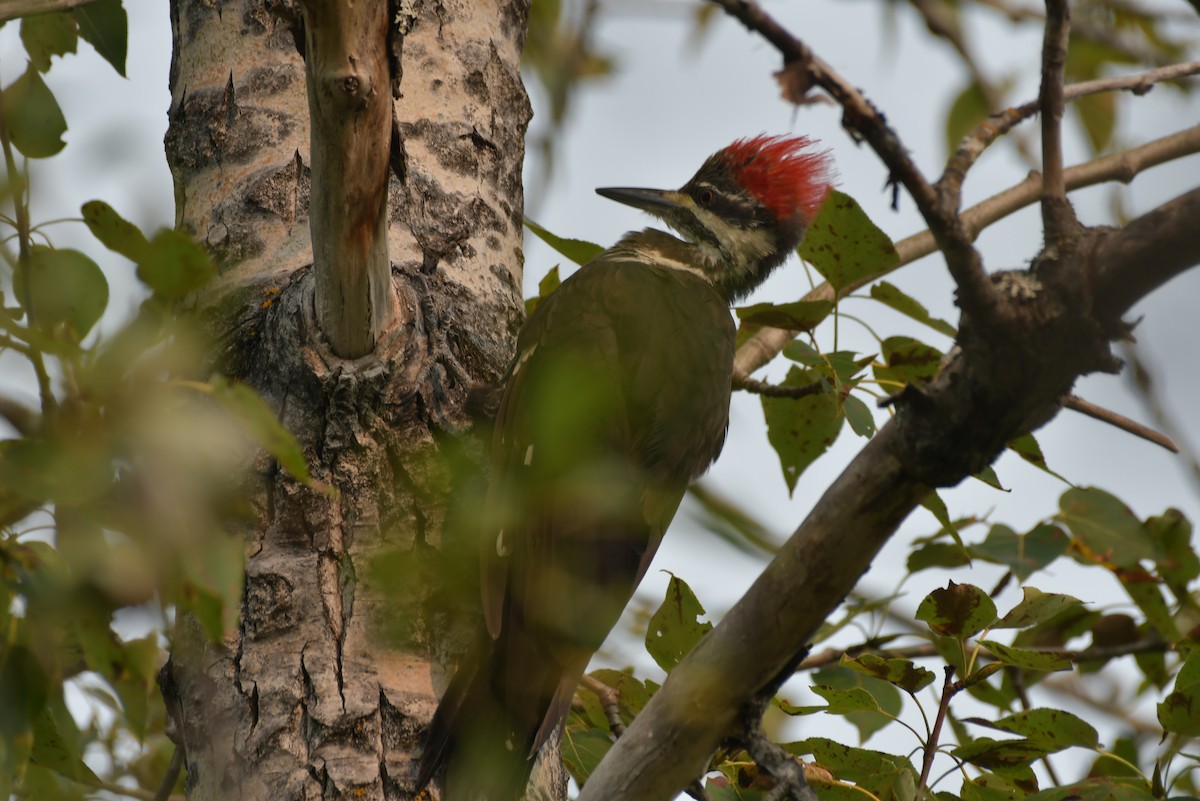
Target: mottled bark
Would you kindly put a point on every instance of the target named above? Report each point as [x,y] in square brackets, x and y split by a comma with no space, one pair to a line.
[309,699]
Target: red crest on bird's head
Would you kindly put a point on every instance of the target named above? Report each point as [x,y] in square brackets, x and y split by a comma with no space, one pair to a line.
[783,172]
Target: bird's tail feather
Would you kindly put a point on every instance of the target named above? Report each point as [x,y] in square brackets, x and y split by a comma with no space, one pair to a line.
[473,739]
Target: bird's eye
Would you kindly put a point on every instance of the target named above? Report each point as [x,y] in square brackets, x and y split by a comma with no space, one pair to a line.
[706,197]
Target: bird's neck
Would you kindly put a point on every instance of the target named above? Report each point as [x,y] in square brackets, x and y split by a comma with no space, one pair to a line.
[735,266]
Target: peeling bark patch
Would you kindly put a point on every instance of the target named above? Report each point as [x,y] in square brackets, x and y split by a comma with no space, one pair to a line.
[443,223]
[331,602]
[401,732]
[477,87]
[270,607]
[276,190]
[209,128]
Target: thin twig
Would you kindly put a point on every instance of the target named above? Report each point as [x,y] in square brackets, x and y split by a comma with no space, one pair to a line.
[787,772]
[1078,404]
[1057,216]
[1124,167]
[949,689]
[973,145]
[171,776]
[769,390]
[610,702]
[831,656]
[975,291]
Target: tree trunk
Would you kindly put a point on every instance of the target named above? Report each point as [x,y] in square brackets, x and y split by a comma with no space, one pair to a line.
[308,698]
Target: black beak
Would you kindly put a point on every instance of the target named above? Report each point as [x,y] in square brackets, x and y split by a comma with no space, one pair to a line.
[654,201]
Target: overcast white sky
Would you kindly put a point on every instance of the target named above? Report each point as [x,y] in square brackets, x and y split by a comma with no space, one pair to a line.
[667,108]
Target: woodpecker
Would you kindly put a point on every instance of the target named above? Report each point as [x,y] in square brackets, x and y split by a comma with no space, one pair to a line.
[617,399]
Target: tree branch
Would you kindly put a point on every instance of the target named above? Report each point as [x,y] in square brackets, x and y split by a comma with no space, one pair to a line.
[349,101]
[973,145]
[1124,167]
[1145,254]
[863,121]
[1058,218]
[610,701]
[1078,404]
[769,390]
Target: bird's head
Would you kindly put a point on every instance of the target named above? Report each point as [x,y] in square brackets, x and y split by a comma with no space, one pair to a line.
[741,214]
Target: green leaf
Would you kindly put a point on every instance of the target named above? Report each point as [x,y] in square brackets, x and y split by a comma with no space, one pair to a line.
[546,287]
[174,265]
[1142,588]
[67,291]
[1036,607]
[215,570]
[115,232]
[907,361]
[1176,558]
[891,296]
[957,610]
[1098,115]
[843,702]
[676,627]
[989,753]
[937,507]
[990,787]
[1189,673]
[801,429]
[35,122]
[254,415]
[967,111]
[800,315]
[988,476]
[844,246]
[56,742]
[1022,553]
[23,690]
[937,554]
[859,416]
[632,693]
[1026,659]
[582,750]
[105,26]
[136,681]
[47,35]
[576,250]
[869,704]
[902,672]
[1104,527]
[885,775]
[1028,449]
[1098,789]
[1052,728]
[1179,712]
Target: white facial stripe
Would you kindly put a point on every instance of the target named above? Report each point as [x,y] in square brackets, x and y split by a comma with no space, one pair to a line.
[745,247]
